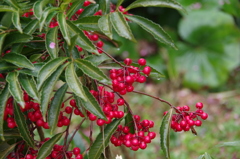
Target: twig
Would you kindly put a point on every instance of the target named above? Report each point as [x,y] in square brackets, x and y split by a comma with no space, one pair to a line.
[67,130]
[40,132]
[67,99]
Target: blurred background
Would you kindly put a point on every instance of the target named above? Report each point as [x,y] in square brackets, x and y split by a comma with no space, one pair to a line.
[205,68]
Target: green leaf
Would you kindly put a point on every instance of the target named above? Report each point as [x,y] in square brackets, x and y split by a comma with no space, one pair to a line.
[230,144]
[164,133]
[91,70]
[34,72]
[156,3]
[89,10]
[5,22]
[61,18]
[81,40]
[16,21]
[119,2]
[102,139]
[16,37]
[29,85]
[97,60]
[153,28]
[74,8]
[35,57]
[50,16]
[129,122]
[3,101]
[48,69]
[74,83]
[80,105]
[20,120]
[47,89]
[13,3]
[31,27]
[89,23]
[38,8]
[44,17]
[14,88]
[18,60]
[121,26]
[105,25]
[52,42]
[205,156]
[92,105]
[4,8]
[53,112]
[2,37]
[104,5]
[6,152]
[6,67]
[47,147]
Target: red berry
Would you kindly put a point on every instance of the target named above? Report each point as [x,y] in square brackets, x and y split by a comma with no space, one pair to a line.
[86,3]
[68,110]
[11,125]
[198,123]
[141,79]
[120,102]
[73,102]
[199,105]
[146,70]
[79,156]
[100,44]
[204,116]
[94,37]
[66,122]
[183,124]
[46,126]
[142,62]
[29,156]
[100,122]
[152,135]
[79,11]
[128,61]
[76,151]
[92,117]
[186,108]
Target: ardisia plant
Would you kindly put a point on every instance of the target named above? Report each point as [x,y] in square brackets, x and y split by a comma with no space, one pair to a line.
[51,69]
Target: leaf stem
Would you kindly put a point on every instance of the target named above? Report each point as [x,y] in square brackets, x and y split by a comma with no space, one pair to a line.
[40,132]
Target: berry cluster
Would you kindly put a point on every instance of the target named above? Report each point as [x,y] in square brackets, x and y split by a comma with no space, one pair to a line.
[184,119]
[134,141]
[123,79]
[58,152]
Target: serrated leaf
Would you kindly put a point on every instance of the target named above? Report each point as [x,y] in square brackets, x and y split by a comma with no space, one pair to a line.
[119,2]
[48,69]
[153,28]
[16,37]
[103,139]
[89,23]
[29,85]
[52,42]
[156,3]
[91,70]
[81,40]
[31,27]
[74,8]
[38,8]
[2,37]
[164,133]
[53,112]
[6,152]
[97,60]
[89,10]
[80,105]
[74,83]
[6,67]
[47,147]
[3,101]
[121,26]
[14,88]
[61,18]
[34,72]
[104,5]
[22,126]
[18,60]
[5,8]
[16,21]
[48,87]
[46,12]
[105,25]
[92,105]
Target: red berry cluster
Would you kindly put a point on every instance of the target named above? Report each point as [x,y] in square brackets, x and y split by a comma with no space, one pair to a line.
[27,14]
[123,79]
[134,141]
[184,119]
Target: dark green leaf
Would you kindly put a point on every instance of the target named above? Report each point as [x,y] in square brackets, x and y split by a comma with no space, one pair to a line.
[80,105]
[119,2]
[46,12]
[14,88]
[153,28]
[81,40]
[91,70]
[6,67]
[31,27]
[2,37]
[5,22]
[164,133]
[92,105]
[50,16]
[6,152]
[3,101]
[29,85]
[38,8]
[16,37]
[156,3]
[105,25]
[5,8]
[61,18]
[35,57]
[35,71]
[13,3]
[74,8]
[104,5]
[16,21]
[129,122]
[18,60]
[74,82]
[53,112]
[52,42]
[48,69]
[89,10]
[46,148]
[89,23]
[97,60]
[47,89]
[22,126]
[102,139]
[121,26]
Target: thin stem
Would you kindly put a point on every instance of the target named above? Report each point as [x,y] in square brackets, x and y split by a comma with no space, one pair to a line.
[67,130]
[40,132]
[90,136]
[67,99]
